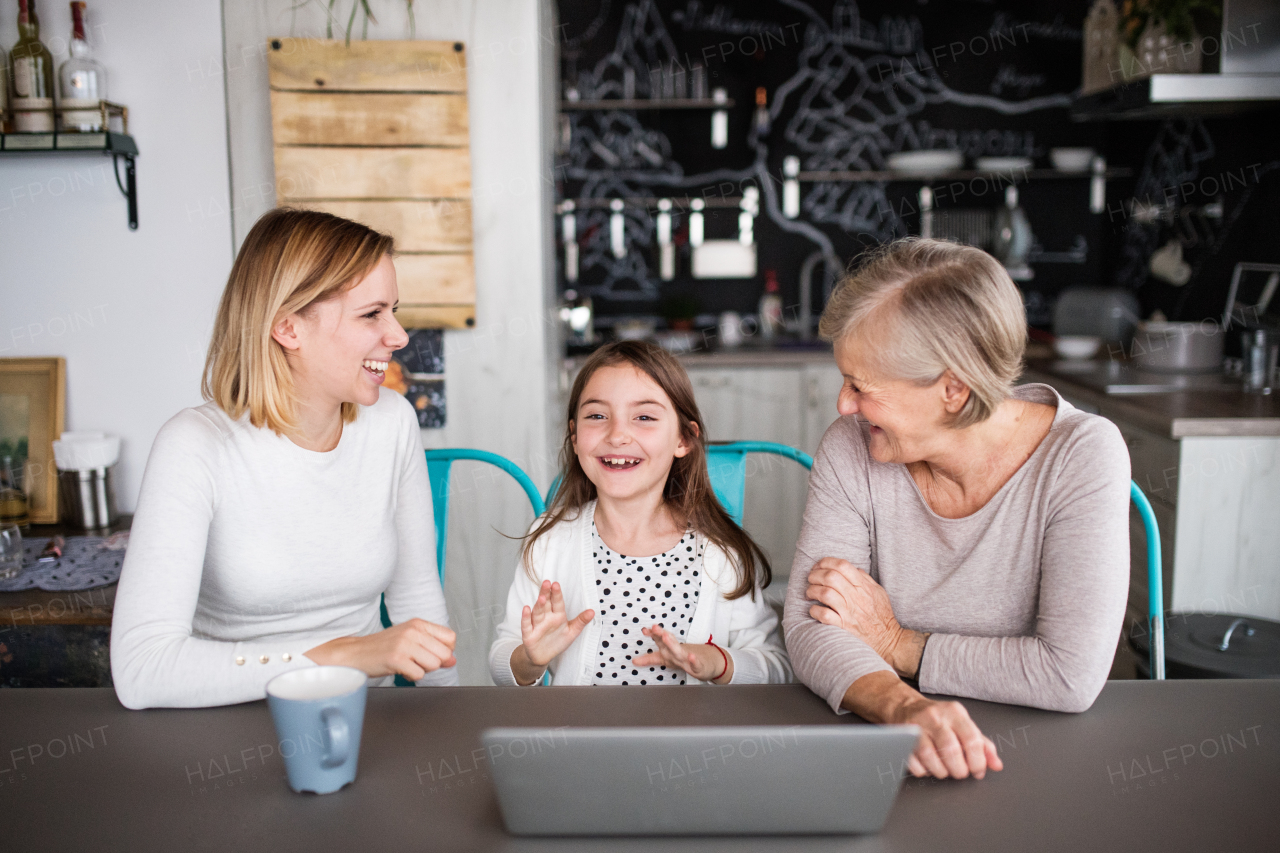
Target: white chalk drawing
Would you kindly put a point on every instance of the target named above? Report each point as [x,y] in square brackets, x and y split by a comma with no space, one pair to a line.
[857,96]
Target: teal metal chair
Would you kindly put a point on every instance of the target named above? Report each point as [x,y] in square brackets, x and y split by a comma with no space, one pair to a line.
[439,464]
[727,466]
[1155,582]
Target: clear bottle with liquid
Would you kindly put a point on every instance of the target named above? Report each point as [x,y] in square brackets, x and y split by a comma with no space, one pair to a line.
[770,306]
[31,75]
[13,500]
[82,82]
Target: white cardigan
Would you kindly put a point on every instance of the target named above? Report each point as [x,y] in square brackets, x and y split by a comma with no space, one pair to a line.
[746,628]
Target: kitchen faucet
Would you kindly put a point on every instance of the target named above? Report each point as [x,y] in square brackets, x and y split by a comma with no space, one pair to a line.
[833,265]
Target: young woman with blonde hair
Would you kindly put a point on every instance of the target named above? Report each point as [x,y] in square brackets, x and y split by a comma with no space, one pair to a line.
[273,517]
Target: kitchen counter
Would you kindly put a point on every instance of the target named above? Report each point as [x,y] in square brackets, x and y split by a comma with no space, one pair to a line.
[744,356]
[1217,409]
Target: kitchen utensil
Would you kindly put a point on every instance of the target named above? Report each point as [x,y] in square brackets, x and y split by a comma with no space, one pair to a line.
[633,330]
[1167,264]
[1071,159]
[10,551]
[1261,347]
[1077,346]
[1249,300]
[724,259]
[86,498]
[1165,347]
[1002,164]
[1013,237]
[1214,645]
[1108,313]
[86,460]
[730,328]
[925,163]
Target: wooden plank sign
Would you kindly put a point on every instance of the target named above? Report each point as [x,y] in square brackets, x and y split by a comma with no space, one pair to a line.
[378,132]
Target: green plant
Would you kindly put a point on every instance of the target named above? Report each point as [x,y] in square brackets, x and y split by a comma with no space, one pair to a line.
[1179,17]
[357,6]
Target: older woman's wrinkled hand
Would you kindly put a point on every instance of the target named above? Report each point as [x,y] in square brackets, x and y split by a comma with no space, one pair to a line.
[848,598]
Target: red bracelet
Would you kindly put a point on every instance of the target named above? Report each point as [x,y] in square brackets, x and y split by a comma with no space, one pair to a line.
[723,655]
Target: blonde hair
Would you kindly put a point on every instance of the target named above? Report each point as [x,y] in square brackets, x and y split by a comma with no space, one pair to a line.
[935,306]
[290,260]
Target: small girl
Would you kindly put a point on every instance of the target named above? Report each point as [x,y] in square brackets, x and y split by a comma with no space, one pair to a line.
[637,546]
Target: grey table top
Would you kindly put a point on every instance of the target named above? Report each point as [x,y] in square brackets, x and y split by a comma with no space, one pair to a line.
[1177,765]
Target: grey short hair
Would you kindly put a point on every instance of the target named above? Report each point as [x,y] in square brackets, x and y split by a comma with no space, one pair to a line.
[935,306]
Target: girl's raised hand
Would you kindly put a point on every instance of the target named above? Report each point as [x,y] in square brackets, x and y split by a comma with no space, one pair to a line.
[546,630]
[700,660]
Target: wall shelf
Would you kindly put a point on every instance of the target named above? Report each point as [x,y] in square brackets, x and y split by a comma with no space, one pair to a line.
[1174,95]
[648,104]
[115,144]
[1013,176]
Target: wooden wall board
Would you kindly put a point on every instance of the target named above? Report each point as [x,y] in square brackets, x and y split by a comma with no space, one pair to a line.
[432,225]
[437,316]
[378,118]
[372,173]
[436,279]
[312,65]
[378,132]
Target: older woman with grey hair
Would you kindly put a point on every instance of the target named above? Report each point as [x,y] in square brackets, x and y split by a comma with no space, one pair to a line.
[960,532]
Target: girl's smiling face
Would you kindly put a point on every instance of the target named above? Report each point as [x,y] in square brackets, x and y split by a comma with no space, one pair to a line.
[626,433]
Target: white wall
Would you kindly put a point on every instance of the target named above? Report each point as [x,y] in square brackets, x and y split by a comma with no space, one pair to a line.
[130,311]
[500,375]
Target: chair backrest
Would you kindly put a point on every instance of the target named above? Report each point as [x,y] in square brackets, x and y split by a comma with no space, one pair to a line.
[727,466]
[439,463]
[1155,581]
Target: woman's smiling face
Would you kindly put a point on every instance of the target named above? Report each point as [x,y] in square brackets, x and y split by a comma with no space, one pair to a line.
[626,433]
[345,342]
[908,422]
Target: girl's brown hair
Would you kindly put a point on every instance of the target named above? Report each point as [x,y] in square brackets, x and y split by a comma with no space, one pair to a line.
[687,493]
[290,260]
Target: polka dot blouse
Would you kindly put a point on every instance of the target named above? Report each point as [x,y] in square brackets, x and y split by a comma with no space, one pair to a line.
[639,592]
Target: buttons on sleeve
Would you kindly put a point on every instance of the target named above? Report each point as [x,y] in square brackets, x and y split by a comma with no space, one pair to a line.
[239,660]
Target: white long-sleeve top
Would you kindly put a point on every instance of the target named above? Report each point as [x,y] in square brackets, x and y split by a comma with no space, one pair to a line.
[246,551]
[746,628]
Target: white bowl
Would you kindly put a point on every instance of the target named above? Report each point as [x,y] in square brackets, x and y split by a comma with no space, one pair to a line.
[925,162]
[1077,346]
[1071,159]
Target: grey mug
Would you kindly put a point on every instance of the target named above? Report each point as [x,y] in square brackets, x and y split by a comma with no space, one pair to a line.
[319,714]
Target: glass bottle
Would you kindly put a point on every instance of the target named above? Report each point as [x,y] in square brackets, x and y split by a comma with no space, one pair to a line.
[31,73]
[4,91]
[13,500]
[82,82]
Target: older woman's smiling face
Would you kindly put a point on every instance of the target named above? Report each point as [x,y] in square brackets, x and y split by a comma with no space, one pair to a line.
[908,422]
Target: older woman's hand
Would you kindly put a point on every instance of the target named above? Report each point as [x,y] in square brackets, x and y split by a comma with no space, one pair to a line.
[849,599]
[951,745]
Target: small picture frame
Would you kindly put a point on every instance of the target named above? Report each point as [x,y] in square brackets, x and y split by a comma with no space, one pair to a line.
[417,372]
[33,395]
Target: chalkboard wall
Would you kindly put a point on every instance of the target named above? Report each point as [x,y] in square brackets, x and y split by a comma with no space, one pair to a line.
[849,84]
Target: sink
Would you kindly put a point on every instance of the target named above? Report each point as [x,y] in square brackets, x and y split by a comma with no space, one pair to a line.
[1115,377]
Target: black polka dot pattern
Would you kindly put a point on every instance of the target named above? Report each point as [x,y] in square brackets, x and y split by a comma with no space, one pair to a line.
[635,593]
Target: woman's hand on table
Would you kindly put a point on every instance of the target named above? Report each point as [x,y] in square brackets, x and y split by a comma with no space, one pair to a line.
[950,745]
[545,631]
[412,649]
[700,660]
[848,598]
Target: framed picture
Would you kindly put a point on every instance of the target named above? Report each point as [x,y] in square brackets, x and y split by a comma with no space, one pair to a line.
[32,406]
[417,372]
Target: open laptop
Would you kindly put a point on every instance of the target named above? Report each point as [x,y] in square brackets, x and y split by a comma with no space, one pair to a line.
[708,780]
